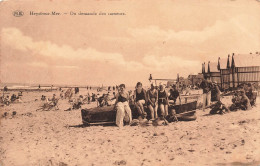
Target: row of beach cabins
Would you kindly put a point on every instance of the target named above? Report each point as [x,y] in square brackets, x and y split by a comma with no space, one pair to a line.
[234,70]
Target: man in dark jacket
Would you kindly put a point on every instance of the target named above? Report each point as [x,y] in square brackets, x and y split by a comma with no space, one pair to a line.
[215,92]
[174,94]
[206,86]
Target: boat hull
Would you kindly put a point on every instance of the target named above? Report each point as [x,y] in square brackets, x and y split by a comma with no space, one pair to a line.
[108,114]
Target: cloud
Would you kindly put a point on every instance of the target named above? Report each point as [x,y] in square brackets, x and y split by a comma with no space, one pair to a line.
[238,24]
[16,39]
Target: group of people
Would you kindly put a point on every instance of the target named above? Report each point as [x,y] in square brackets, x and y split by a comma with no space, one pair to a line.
[156,98]
[243,98]
[7,100]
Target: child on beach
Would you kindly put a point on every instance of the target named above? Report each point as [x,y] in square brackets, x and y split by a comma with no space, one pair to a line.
[122,107]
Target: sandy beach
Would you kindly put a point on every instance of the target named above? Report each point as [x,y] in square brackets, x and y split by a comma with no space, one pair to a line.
[49,138]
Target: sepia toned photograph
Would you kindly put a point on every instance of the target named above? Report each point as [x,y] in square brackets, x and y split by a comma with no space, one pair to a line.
[130,83]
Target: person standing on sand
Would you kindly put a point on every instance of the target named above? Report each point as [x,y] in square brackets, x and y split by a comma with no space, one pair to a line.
[152,96]
[122,107]
[163,101]
[140,99]
[206,87]
[215,92]
[174,94]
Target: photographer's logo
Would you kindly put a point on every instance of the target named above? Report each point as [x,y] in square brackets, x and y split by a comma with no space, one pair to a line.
[18,13]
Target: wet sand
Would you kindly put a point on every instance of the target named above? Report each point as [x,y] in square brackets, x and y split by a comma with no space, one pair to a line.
[56,138]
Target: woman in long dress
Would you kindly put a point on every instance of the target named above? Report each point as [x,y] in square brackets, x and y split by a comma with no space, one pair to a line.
[122,107]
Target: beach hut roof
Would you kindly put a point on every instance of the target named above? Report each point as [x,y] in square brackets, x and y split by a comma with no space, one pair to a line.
[223,63]
[245,60]
[213,67]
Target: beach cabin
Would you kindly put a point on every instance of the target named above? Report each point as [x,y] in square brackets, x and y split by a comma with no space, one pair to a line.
[195,78]
[203,72]
[224,66]
[213,72]
[245,68]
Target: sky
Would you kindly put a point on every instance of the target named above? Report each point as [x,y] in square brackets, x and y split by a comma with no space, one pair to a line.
[155,37]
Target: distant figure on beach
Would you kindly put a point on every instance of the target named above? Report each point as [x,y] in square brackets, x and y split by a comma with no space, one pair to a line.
[163,101]
[88,98]
[104,100]
[13,97]
[39,86]
[54,102]
[152,96]
[114,88]
[174,94]
[76,90]
[20,93]
[206,87]
[7,100]
[5,90]
[77,102]
[114,94]
[140,99]
[43,98]
[61,94]
[122,107]
[93,97]
[250,94]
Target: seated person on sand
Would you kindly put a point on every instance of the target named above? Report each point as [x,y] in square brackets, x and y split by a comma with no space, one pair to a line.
[100,100]
[107,100]
[122,107]
[218,108]
[6,100]
[140,99]
[54,102]
[245,102]
[236,100]
[78,102]
[163,101]
[251,95]
[174,94]
[93,97]
[13,98]
[43,98]
[61,94]
[152,96]
[104,100]
[19,99]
